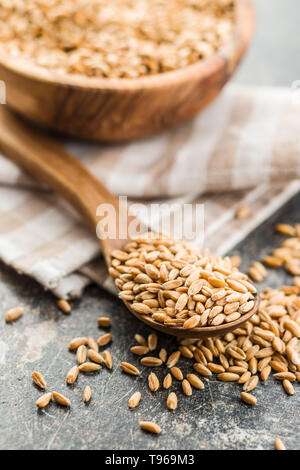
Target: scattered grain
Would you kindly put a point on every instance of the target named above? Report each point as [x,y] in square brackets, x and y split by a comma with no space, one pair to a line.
[87,394]
[81,354]
[76,342]
[279,445]
[44,400]
[64,306]
[288,387]
[153,382]
[167,381]
[243,212]
[39,380]
[13,314]
[139,350]
[176,372]
[134,400]
[150,427]
[186,387]
[105,339]
[248,398]
[104,322]
[129,368]
[61,399]
[107,359]
[72,375]
[88,367]
[172,401]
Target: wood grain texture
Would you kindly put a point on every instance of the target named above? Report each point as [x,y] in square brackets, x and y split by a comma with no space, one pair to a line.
[123,109]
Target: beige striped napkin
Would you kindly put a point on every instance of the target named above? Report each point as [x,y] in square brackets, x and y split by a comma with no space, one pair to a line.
[244,148]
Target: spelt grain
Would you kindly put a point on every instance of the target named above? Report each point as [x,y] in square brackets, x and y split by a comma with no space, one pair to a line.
[216,368]
[61,399]
[202,369]
[172,401]
[153,382]
[265,373]
[44,400]
[228,377]
[107,359]
[129,368]
[150,361]
[195,381]
[13,314]
[251,384]
[167,381]
[288,387]
[140,340]
[64,306]
[139,350]
[279,445]
[104,322]
[39,380]
[72,375]
[150,427]
[248,398]
[81,354]
[92,344]
[87,394]
[95,357]
[163,355]
[186,387]
[173,359]
[134,400]
[285,376]
[152,341]
[88,367]
[285,229]
[244,212]
[105,339]
[176,372]
[76,342]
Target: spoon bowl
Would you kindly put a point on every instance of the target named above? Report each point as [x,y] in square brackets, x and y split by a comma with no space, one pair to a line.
[201,332]
[46,160]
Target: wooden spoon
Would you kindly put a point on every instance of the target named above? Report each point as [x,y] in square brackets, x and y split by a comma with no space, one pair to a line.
[51,164]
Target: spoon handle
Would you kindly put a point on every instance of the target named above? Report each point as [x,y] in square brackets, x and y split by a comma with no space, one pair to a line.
[47,161]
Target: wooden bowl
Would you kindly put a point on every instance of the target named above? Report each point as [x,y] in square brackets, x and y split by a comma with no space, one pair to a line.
[122,109]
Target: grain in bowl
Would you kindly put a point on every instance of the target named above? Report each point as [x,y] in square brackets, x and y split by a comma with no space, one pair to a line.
[115,39]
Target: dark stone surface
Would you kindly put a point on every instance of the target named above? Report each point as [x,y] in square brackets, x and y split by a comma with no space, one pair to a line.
[210,419]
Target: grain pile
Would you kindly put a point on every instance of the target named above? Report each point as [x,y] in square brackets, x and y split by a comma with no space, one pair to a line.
[267,345]
[268,342]
[177,285]
[287,255]
[115,39]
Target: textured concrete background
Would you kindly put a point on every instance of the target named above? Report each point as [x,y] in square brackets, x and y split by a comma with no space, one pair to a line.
[210,419]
